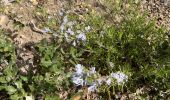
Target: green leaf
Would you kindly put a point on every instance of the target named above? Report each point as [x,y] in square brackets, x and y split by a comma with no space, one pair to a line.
[10,89]
[45,63]
[120,34]
[31,87]
[24,78]
[52,97]
[2,87]
[15,97]
[18,84]
[62,51]
[3,79]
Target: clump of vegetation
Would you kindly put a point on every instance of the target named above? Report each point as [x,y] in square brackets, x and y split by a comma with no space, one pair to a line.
[94,56]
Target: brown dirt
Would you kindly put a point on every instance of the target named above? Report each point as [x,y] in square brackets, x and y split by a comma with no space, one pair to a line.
[159,10]
[20,15]
[25,11]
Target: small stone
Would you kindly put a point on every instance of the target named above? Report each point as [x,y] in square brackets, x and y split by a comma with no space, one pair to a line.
[4,20]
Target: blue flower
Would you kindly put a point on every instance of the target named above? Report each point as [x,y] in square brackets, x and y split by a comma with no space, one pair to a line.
[78,81]
[81,36]
[69,31]
[79,76]
[119,76]
[79,69]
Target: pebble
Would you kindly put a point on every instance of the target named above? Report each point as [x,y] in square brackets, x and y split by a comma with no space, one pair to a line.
[3,20]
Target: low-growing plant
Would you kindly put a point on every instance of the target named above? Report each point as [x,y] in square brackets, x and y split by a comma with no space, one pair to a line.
[93,55]
[8,78]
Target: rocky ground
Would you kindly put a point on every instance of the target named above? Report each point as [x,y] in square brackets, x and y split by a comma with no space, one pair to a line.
[159,10]
[37,12]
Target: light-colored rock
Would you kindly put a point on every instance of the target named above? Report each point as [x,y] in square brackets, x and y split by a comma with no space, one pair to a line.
[4,20]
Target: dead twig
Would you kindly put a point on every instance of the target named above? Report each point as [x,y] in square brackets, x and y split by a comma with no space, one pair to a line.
[36,29]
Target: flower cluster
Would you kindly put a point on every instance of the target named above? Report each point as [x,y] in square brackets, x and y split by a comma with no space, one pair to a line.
[71,34]
[80,77]
[120,77]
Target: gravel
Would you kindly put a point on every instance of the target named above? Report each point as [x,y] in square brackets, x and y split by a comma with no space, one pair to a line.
[159,10]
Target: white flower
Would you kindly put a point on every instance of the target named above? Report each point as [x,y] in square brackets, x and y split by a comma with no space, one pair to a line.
[74,43]
[87,28]
[79,69]
[69,31]
[120,77]
[82,36]
[93,70]
[108,81]
[92,88]
[78,80]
